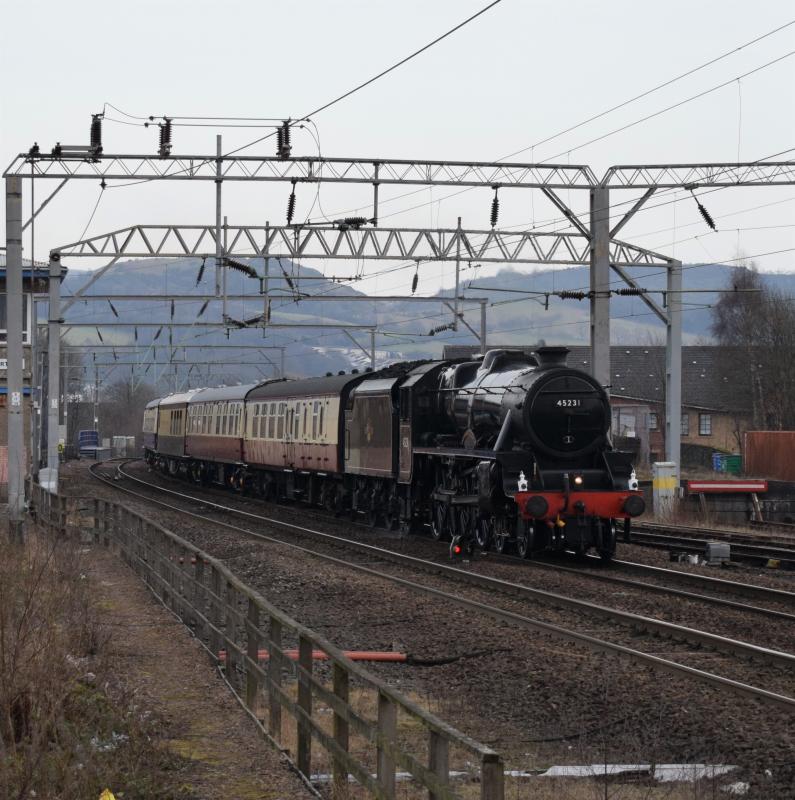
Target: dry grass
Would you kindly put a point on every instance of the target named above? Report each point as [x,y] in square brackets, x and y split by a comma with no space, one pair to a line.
[66,728]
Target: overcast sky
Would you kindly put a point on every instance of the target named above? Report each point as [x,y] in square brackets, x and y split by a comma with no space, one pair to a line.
[515,76]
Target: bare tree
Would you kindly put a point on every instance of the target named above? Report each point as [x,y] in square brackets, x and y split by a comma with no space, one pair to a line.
[757,327]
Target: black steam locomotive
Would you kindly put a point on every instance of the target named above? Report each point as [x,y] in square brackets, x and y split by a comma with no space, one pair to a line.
[504,449]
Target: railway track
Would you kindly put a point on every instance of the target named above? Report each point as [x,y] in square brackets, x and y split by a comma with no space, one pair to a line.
[693,638]
[744,547]
[600,573]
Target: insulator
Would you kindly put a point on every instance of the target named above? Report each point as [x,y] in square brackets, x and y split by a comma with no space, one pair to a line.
[203,308]
[113,309]
[172,309]
[149,366]
[240,266]
[495,209]
[707,216]
[291,207]
[570,295]
[165,138]
[414,281]
[100,335]
[355,222]
[96,133]
[201,271]
[135,330]
[115,357]
[34,151]
[157,335]
[631,291]
[57,150]
[283,140]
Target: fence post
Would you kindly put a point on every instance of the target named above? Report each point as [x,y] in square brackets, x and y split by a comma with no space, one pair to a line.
[339,770]
[274,679]
[252,645]
[215,612]
[387,729]
[438,760]
[200,597]
[305,704]
[492,777]
[230,629]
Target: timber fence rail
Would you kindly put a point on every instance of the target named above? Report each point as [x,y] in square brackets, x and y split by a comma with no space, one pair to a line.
[248,638]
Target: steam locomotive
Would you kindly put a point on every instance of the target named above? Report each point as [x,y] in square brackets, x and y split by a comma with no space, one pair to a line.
[505,450]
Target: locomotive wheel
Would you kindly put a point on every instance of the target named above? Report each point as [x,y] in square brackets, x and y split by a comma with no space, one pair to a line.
[608,549]
[499,534]
[440,524]
[484,532]
[465,522]
[525,538]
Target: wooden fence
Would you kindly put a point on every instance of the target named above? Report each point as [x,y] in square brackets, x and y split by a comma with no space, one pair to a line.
[249,637]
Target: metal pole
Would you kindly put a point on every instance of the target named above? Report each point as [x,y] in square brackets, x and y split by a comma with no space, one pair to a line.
[281,363]
[14,300]
[96,397]
[54,370]
[218,244]
[35,408]
[600,284]
[483,327]
[457,274]
[224,274]
[372,350]
[673,367]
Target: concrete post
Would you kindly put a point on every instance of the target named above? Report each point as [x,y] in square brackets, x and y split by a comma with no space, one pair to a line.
[600,284]
[54,371]
[673,367]
[372,350]
[15,407]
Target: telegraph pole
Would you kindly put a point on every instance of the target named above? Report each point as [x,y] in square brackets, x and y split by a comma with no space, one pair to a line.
[14,333]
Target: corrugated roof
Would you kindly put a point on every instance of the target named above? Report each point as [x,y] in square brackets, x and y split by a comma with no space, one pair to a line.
[710,373]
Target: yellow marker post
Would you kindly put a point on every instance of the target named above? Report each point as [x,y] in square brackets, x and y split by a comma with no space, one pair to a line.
[107,794]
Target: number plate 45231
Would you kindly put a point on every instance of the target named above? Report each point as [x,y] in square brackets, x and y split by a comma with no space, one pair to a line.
[568,403]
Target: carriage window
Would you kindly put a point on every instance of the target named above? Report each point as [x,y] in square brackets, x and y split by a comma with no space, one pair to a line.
[272,421]
[297,420]
[305,427]
[280,421]
[321,431]
[315,412]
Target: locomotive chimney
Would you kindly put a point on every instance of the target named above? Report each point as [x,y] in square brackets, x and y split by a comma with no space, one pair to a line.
[551,356]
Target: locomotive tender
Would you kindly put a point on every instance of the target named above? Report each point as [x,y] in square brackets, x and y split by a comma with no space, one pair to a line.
[507,448]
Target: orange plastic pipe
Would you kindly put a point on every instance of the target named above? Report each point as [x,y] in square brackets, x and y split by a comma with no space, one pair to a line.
[320,655]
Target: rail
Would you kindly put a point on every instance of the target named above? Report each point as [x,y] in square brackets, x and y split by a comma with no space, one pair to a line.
[241,630]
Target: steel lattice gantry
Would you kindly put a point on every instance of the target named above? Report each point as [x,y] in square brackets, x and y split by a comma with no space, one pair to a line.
[332,242]
[594,241]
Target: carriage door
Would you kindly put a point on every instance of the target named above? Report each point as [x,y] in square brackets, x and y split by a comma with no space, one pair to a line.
[290,432]
[404,437]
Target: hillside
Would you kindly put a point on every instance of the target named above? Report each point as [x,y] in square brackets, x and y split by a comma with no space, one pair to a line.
[313,351]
